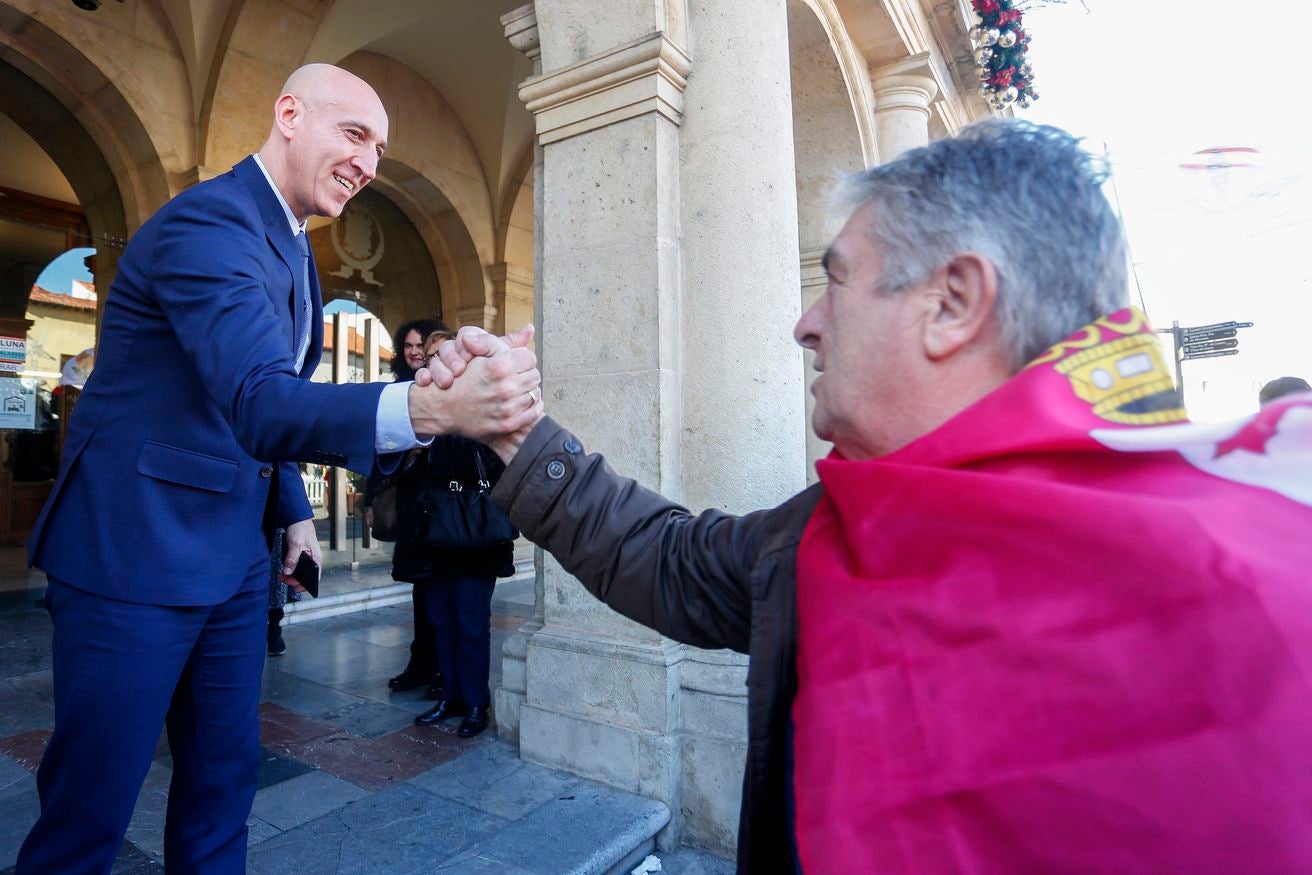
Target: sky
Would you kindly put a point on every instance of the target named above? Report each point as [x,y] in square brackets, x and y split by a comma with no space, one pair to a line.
[58,275]
[1152,82]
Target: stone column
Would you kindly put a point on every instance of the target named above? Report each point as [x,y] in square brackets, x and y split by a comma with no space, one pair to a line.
[743,437]
[521,29]
[667,287]
[742,449]
[512,295]
[601,692]
[903,94]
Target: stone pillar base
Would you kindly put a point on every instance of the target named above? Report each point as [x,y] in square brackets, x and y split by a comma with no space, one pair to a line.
[509,697]
[605,710]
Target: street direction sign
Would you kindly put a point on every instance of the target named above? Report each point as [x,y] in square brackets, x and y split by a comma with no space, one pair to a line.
[1209,345]
[1215,326]
[1214,334]
[1208,355]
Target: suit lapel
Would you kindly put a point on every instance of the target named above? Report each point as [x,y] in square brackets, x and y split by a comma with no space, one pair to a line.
[281,241]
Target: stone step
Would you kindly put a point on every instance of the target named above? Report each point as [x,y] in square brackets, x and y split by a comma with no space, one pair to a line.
[591,830]
[370,597]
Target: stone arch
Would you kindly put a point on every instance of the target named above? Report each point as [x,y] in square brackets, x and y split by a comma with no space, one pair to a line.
[62,75]
[262,42]
[852,68]
[833,134]
[513,274]
[376,257]
[460,273]
[434,174]
[828,139]
[514,234]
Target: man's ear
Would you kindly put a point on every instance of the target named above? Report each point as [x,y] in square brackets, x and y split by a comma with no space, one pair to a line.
[286,114]
[964,294]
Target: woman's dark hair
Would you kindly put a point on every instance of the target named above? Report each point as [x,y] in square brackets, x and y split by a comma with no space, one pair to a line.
[424,327]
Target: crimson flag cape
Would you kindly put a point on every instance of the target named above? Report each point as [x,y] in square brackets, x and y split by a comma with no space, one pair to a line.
[1068,631]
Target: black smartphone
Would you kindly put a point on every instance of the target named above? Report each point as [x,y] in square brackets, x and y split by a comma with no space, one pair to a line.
[306,573]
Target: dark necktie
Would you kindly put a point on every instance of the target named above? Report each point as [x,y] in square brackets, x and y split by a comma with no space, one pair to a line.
[301,313]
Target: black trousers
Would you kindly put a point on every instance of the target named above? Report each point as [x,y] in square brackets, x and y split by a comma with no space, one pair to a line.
[459,606]
[423,648]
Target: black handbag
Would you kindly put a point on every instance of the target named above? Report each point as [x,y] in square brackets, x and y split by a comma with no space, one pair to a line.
[387,521]
[459,517]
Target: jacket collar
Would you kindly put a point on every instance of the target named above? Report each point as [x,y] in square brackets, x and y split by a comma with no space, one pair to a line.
[279,233]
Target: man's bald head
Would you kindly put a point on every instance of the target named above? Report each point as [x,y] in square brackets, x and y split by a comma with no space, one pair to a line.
[329,133]
[319,83]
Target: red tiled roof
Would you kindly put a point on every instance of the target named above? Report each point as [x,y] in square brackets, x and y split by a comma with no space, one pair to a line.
[41,296]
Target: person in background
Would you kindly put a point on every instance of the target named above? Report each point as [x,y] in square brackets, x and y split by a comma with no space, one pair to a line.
[1281,386]
[460,581]
[279,595]
[421,670]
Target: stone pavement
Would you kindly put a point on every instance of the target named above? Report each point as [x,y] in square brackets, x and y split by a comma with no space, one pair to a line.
[348,784]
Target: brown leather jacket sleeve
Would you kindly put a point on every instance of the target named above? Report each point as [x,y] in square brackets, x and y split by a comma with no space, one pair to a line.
[688,577]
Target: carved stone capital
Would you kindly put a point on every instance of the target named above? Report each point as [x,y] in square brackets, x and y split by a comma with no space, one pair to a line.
[645,76]
[908,85]
[521,28]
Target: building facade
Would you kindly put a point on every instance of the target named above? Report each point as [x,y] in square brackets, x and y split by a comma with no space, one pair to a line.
[646,180]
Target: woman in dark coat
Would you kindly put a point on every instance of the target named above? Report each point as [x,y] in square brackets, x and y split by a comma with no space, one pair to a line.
[458,579]
[422,669]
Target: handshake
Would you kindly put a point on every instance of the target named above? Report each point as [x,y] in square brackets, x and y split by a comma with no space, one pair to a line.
[481,386]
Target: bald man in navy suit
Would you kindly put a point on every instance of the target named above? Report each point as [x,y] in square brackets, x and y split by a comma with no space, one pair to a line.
[179,461]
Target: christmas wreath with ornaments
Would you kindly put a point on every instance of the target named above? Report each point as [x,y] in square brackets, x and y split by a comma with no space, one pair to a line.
[1004,72]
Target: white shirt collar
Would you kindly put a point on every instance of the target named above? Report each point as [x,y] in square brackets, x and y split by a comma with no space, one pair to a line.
[297,227]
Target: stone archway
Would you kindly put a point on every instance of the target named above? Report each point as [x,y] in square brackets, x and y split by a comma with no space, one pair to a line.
[460,273]
[102,130]
[374,256]
[263,41]
[432,172]
[513,272]
[83,164]
[833,135]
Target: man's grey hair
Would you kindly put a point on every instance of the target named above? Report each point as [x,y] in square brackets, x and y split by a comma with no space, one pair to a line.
[1025,196]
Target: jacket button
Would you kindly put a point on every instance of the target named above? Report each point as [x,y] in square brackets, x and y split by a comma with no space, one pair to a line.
[573,447]
[555,469]
[266,471]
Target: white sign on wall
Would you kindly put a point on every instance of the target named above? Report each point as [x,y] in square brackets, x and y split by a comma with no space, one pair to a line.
[17,403]
[13,354]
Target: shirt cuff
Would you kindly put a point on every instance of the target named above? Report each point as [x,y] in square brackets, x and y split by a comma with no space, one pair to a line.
[393,432]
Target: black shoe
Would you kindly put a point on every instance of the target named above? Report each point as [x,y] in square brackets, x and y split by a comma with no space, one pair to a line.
[409,679]
[441,711]
[474,723]
[277,647]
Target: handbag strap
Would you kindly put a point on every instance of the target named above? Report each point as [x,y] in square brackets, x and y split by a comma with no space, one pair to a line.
[483,483]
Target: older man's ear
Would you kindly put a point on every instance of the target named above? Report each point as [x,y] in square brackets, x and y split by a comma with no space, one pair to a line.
[961,299]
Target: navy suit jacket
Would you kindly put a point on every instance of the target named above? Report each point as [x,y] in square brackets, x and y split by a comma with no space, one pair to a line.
[170,454]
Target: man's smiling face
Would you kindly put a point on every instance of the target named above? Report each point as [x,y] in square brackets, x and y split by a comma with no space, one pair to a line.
[339,137]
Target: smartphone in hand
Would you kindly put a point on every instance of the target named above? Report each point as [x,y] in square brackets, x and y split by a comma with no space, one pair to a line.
[306,573]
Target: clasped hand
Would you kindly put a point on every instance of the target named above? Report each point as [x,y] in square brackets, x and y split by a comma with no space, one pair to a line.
[481,386]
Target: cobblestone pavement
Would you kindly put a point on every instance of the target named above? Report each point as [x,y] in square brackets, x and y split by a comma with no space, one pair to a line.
[348,784]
